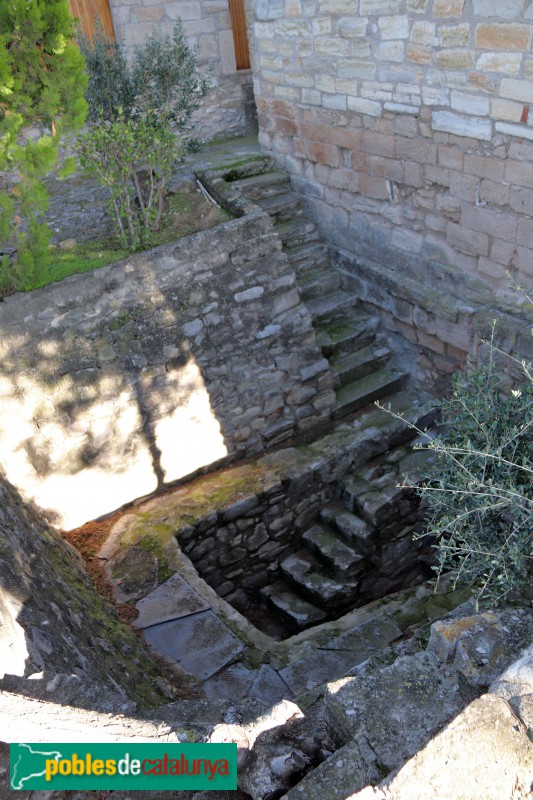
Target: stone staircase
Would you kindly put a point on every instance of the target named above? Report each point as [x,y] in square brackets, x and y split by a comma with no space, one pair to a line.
[360,547]
[350,339]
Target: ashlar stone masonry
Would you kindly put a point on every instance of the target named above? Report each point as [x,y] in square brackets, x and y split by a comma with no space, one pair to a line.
[407,125]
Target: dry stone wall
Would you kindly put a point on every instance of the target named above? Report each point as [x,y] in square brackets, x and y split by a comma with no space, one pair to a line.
[407,124]
[226,111]
[142,372]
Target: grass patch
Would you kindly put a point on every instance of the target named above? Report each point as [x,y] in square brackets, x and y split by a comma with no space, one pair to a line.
[186,213]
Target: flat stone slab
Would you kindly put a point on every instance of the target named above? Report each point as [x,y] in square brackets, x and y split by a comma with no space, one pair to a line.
[269,686]
[173,599]
[367,639]
[232,683]
[238,681]
[318,668]
[200,643]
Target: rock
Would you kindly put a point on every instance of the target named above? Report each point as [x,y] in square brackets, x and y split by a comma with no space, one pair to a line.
[482,645]
[134,573]
[396,710]
[517,680]
[482,754]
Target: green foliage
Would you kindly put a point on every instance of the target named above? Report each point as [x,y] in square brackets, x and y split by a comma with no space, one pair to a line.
[130,152]
[139,124]
[480,496]
[41,85]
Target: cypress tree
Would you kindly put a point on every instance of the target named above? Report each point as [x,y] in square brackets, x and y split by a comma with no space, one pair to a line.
[42,84]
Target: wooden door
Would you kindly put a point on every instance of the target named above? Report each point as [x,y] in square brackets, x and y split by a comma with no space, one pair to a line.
[88,11]
[240,34]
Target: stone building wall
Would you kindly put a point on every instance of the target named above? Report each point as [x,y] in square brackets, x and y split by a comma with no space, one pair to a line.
[407,124]
[207,24]
[143,372]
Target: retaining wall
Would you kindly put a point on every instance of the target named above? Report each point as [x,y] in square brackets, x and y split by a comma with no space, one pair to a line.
[142,372]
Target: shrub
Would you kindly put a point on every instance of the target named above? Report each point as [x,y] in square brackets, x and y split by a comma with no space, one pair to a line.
[127,153]
[42,82]
[139,124]
[480,496]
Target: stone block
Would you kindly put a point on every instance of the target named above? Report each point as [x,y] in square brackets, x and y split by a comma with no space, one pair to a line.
[423,33]
[364,106]
[461,125]
[378,7]
[454,58]
[454,35]
[515,173]
[390,51]
[496,193]
[511,9]
[377,188]
[507,110]
[522,131]
[419,54]
[469,103]
[394,27]
[493,223]
[507,63]
[418,150]
[503,36]
[463,187]
[467,240]
[485,167]
[448,8]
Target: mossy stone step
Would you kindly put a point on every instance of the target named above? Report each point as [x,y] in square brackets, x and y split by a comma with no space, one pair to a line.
[297,231]
[294,612]
[331,306]
[357,365]
[347,334]
[354,530]
[282,207]
[305,575]
[308,255]
[342,559]
[264,185]
[372,387]
[317,282]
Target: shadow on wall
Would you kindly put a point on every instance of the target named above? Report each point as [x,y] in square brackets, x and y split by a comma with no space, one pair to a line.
[104,412]
[115,382]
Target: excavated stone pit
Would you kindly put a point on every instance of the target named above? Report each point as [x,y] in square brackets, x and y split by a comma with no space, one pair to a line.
[308,551]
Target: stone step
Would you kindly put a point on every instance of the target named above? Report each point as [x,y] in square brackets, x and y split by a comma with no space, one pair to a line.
[342,559]
[317,282]
[308,255]
[331,306]
[302,571]
[282,207]
[348,334]
[372,387]
[297,231]
[294,612]
[354,530]
[264,185]
[357,365]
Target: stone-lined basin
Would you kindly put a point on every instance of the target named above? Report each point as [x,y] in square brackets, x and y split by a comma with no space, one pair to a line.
[185,619]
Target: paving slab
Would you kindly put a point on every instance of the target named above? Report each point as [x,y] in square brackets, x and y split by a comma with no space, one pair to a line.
[269,686]
[173,599]
[200,643]
[368,638]
[318,668]
[232,683]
